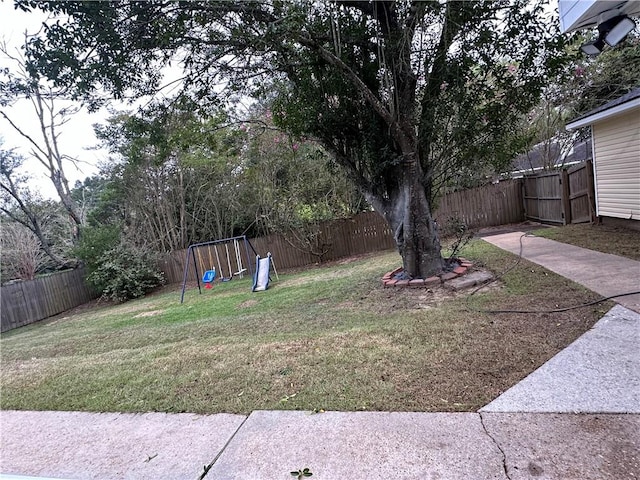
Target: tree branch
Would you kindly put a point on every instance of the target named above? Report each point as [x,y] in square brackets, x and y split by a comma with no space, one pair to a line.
[364,90]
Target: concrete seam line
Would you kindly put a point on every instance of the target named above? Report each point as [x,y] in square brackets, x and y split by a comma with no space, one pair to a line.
[495,442]
[215,459]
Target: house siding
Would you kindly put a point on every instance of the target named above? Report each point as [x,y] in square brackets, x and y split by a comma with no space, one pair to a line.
[617,165]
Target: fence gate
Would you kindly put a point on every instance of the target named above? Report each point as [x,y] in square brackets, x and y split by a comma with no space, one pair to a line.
[582,205]
[543,198]
[561,197]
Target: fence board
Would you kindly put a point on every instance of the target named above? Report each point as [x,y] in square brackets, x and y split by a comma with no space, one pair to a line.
[27,302]
[485,206]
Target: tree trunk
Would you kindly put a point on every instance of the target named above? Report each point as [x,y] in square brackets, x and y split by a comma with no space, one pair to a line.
[414,229]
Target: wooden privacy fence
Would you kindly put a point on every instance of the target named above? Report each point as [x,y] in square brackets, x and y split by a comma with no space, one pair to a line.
[367,232]
[561,197]
[486,206]
[29,301]
[364,233]
[543,198]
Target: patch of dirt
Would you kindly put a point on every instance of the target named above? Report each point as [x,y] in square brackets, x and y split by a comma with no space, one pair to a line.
[525,226]
[415,299]
[92,306]
[248,303]
[331,263]
[355,258]
[171,287]
[387,300]
[295,282]
[151,313]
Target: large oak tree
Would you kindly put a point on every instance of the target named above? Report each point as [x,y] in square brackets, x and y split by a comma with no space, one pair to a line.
[404,94]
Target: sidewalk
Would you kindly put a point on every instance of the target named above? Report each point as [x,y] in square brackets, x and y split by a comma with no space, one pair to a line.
[531,431]
[602,273]
[334,445]
[598,373]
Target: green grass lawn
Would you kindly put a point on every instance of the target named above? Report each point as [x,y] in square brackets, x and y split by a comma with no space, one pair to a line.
[327,338]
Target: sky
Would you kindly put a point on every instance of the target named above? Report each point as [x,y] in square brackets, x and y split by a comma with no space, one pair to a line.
[77,137]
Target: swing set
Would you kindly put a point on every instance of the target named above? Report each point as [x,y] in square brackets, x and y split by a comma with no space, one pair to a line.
[205,253]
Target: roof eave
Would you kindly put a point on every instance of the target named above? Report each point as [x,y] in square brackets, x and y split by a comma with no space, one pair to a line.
[610,112]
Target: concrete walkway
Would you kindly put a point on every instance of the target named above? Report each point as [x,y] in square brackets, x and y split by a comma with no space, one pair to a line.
[602,273]
[598,373]
[333,445]
[529,432]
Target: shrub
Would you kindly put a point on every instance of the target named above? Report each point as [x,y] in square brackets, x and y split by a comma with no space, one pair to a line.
[94,243]
[125,272]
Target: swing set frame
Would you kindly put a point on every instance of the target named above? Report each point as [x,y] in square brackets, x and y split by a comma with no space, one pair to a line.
[191,254]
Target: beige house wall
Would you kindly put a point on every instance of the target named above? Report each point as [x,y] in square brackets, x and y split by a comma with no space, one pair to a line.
[616,149]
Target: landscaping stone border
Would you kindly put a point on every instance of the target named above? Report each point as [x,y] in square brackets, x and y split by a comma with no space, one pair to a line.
[388,279]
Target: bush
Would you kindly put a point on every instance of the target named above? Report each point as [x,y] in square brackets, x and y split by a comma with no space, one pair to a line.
[125,272]
[94,243]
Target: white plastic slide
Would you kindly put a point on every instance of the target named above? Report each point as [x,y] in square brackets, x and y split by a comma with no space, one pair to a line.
[261,280]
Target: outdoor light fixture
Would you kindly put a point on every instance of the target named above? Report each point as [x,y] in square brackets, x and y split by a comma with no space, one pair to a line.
[620,29]
[613,27]
[593,47]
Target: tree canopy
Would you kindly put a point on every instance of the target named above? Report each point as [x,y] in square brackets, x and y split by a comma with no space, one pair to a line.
[593,81]
[403,94]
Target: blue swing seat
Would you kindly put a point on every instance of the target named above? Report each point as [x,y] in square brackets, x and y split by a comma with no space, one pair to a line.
[209,276]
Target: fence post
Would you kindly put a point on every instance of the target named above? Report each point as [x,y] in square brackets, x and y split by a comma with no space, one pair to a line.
[523,195]
[566,197]
[591,193]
